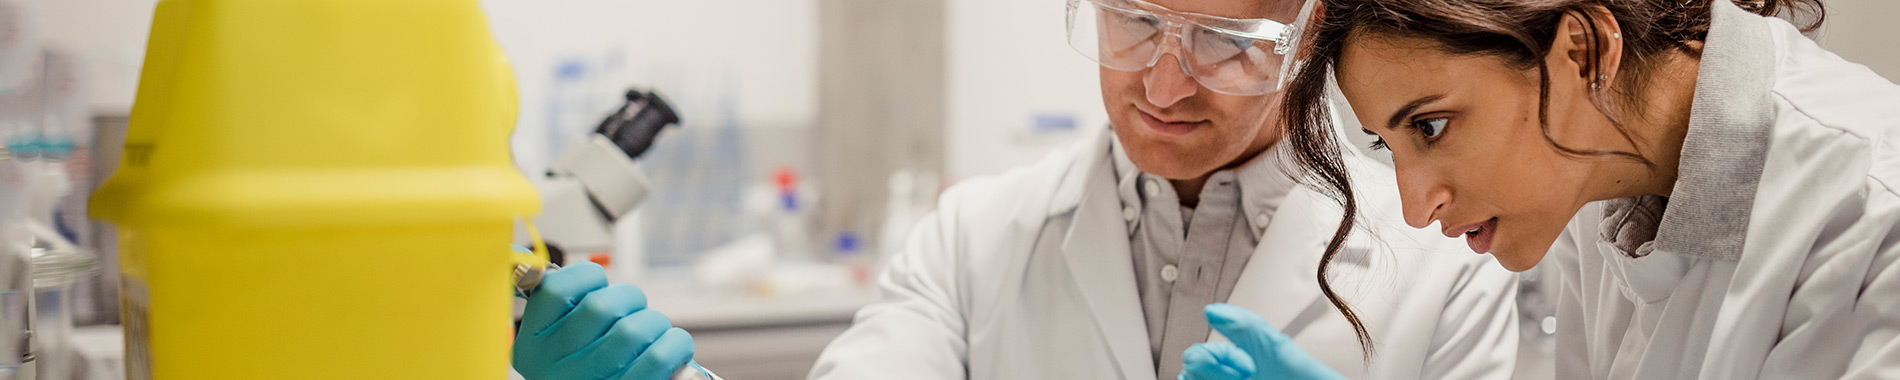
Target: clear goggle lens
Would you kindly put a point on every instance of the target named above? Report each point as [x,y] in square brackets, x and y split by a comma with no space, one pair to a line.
[1230,56]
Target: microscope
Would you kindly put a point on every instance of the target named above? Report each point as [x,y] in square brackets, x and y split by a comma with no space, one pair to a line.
[594,182]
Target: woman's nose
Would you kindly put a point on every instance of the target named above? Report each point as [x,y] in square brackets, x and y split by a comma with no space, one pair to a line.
[1422,194]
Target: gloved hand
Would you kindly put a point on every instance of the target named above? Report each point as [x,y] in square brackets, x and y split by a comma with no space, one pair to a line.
[578,327]
[1257,351]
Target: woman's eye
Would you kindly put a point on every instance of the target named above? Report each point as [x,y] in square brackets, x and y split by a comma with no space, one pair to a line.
[1431,127]
[1377,142]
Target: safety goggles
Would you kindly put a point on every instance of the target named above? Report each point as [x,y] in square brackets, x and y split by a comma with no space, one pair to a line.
[1242,57]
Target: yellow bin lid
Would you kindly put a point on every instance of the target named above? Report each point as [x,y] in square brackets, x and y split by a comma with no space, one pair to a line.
[319,112]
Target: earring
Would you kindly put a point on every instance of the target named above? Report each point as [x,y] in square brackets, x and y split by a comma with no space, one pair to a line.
[1616,35]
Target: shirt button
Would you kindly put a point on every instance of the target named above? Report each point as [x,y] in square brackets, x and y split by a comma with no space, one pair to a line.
[1129,213]
[1151,187]
[1169,273]
[1260,220]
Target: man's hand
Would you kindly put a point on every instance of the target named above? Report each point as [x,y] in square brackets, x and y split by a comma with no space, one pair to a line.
[1257,351]
[578,327]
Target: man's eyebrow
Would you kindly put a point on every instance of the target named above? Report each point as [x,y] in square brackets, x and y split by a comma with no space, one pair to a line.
[1406,111]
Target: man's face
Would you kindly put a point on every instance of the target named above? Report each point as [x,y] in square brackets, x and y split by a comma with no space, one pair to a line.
[1173,127]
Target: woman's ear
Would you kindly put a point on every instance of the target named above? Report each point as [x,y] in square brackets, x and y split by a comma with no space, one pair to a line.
[1587,47]
[1609,46]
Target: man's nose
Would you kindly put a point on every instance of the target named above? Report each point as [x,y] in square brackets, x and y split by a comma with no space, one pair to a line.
[1167,83]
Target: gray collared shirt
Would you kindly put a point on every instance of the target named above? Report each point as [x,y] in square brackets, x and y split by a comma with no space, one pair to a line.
[1186,258]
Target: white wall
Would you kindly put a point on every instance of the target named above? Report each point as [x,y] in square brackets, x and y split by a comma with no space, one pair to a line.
[762,51]
[109,35]
[1007,57]
[1863,31]
[1009,61]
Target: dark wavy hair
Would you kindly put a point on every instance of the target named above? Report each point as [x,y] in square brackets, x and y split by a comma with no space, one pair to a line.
[1518,32]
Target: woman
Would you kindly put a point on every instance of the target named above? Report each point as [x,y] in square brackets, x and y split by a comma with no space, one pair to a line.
[1720,196]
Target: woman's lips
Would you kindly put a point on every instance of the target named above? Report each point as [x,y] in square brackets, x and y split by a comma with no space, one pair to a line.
[1166,127]
[1479,237]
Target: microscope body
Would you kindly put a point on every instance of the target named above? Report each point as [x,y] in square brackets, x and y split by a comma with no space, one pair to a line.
[595,182]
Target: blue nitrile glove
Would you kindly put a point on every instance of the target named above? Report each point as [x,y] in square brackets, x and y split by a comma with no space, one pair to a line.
[1257,351]
[578,327]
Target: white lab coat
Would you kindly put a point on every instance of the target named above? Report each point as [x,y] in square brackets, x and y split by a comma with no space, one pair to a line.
[1800,282]
[1028,275]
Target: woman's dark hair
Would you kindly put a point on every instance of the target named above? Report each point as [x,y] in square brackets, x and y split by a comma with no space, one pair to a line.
[1518,32]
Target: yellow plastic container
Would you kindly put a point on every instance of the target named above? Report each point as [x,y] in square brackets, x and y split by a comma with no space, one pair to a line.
[318,189]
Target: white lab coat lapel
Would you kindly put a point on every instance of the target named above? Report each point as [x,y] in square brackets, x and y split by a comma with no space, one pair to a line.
[1098,256]
[1278,282]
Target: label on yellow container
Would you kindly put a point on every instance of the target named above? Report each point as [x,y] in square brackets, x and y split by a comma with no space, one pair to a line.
[134,301]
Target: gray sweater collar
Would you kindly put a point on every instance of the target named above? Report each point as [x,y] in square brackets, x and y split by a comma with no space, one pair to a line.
[1727,141]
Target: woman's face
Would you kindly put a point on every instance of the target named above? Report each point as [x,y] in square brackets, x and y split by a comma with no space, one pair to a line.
[1468,148]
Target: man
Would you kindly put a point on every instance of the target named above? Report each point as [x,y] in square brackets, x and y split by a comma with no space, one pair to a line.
[1102,260]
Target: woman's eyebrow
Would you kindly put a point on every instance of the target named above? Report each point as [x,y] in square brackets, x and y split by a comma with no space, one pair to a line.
[1410,107]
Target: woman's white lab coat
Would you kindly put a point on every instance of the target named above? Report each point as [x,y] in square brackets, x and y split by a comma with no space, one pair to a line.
[1778,255]
[1027,275]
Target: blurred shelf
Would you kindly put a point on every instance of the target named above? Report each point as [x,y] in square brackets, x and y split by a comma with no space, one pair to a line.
[695,309]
